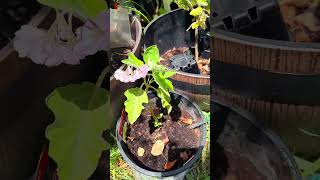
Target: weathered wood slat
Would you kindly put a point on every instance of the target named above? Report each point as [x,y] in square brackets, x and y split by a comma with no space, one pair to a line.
[270,57]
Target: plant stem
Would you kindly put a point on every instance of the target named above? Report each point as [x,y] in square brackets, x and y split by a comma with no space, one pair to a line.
[152,113]
[99,82]
[196,45]
[103,74]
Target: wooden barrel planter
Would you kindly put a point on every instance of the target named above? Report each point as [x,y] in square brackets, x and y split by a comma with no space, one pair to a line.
[276,79]
[169,31]
[24,114]
[117,87]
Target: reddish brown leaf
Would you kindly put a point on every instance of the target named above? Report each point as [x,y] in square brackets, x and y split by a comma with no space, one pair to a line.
[186,120]
[130,138]
[169,165]
[166,140]
[197,132]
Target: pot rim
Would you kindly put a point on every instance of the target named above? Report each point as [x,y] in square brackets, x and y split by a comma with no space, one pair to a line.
[189,163]
[274,138]
[178,72]
[265,43]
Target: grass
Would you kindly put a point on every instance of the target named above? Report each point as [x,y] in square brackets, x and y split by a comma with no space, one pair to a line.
[200,171]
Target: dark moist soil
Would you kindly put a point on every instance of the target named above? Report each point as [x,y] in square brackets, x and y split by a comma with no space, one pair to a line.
[182,58]
[183,142]
[118,54]
[13,14]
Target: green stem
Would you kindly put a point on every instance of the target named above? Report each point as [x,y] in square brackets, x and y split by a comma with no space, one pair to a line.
[103,74]
[141,85]
[153,88]
[99,82]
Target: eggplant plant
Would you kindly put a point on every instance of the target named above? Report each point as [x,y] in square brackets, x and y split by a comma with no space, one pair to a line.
[81,110]
[151,71]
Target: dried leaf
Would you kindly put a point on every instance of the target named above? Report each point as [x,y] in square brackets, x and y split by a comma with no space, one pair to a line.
[309,21]
[289,15]
[130,138]
[301,36]
[186,120]
[140,151]
[169,165]
[157,148]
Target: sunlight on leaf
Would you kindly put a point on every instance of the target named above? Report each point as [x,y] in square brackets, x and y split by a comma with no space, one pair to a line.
[75,137]
[132,61]
[134,103]
[86,8]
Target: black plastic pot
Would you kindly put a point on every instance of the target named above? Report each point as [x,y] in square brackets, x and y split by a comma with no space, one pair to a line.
[256,18]
[238,136]
[169,31]
[141,173]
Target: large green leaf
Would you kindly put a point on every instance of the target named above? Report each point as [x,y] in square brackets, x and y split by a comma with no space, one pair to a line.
[168,73]
[132,61]
[163,83]
[90,8]
[75,137]
[151,56]
[203,2]
[134,103]
[165,99]
[196,12]
[186,4]
[86,8]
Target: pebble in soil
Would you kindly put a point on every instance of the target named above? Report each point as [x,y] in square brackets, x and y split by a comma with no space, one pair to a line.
[182,145]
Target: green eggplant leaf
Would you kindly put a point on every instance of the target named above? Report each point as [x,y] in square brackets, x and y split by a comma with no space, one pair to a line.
[196,12]
[134,103]
[163,83]
[151,56]
[132,61]
[86,8]
[203,2]
[75,137]
[165,99]
[90,8]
